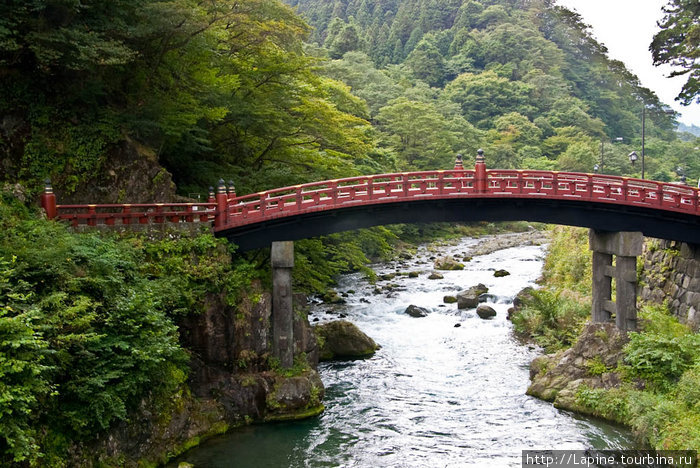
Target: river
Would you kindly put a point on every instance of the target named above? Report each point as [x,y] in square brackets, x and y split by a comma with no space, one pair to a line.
[435,394]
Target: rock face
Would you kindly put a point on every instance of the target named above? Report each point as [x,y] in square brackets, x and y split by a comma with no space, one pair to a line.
[592,361]
[485,312]
[342,339]
[672,275]
[131,173]
[470,298]
[415,311]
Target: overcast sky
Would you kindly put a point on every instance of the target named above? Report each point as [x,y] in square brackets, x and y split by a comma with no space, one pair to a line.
[626,27]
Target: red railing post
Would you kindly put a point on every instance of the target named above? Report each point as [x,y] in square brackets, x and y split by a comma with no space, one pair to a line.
[231,189]
[48,200]
[480,177]
[221,205]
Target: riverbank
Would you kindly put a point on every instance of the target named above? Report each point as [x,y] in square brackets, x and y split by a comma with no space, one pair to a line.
[647,381]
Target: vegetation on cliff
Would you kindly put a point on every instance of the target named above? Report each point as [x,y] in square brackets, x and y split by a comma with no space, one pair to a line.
[649,381]
[88,327]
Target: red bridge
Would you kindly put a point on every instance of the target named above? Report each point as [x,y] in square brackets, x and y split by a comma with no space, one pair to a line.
[601,202]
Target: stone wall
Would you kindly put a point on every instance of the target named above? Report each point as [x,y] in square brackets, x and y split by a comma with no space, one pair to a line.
[672,275]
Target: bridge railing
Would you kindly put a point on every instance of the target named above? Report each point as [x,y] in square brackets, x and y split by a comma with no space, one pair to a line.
[370,189]
[226,210]
[387,188]
[138,213]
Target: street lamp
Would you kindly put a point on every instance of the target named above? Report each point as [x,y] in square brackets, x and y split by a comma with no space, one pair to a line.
[633,158]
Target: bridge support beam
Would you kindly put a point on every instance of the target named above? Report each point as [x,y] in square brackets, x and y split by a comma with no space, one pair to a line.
[624,247]
[282,258]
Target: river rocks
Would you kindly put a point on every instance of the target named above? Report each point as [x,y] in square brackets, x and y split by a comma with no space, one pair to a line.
[485,312]
[449,299]
[332,297]
[342,339]
[501,273]
[415,311]
[592,362]
[387,276]
[413,274]
[491,244]
[519,301]
[435,276]
[470,298]
[293,398]
[448,263]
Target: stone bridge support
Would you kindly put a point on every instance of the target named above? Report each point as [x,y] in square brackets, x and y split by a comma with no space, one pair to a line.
[625,247]
[282,258]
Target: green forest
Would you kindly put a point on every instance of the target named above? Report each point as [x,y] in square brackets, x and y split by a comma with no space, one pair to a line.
[264,94]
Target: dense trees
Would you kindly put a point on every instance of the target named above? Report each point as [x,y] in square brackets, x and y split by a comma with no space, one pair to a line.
[495,58]
[678,43]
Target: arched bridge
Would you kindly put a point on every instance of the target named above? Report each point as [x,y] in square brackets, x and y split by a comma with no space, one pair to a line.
[617,209]
[600,202]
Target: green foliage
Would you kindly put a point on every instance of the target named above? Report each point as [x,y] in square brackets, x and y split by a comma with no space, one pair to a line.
[678,44]
[88,327]
[663,352]
[596,366]
[609,404]
[568,261]
[23,370]
[553,320]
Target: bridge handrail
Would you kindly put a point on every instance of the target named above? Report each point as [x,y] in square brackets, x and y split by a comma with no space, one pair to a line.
[143,213]
[379,188]
[228,210]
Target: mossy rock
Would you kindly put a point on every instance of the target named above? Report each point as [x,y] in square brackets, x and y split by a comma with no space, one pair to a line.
[435,276]
[448,263]
[341,339]
[414,274]
[501,273]
[449,299]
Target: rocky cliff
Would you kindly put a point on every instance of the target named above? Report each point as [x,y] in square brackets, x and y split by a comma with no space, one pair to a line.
[233,381]
[591,362]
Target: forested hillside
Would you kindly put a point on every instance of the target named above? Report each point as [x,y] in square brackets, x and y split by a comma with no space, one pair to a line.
[522,78]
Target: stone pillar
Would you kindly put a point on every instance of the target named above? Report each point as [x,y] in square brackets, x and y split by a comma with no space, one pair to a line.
[602,287]
[282,258]
[625,246]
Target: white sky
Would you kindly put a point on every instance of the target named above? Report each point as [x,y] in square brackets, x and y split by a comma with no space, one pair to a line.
[626,27]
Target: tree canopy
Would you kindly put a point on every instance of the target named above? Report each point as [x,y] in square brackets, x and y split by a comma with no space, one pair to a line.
[678,44]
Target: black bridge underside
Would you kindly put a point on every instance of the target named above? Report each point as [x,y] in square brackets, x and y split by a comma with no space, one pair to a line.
[599,216]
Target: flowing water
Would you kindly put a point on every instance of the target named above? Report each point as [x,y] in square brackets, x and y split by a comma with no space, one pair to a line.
[435,394]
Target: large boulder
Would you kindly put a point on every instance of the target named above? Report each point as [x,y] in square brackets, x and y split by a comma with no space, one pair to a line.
[519,301]
[341,339]
[415,311]
[485,312]
[448,263]
[470,298]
